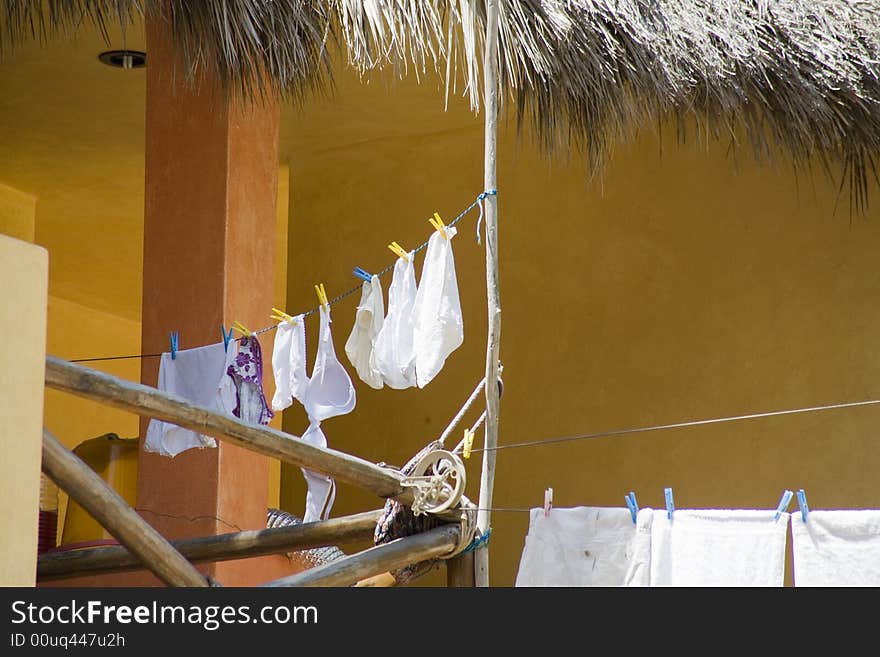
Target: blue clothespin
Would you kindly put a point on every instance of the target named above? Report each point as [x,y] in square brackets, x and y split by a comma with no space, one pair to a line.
[226,337]
[363,275]
[783,503]
[802,503]
[632,505]
[670,504]
[175,338]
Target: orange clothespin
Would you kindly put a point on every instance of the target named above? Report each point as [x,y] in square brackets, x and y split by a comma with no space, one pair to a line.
[322,296]
[438,225]
[280,315]
[238,326]
[468,443]
[399,251]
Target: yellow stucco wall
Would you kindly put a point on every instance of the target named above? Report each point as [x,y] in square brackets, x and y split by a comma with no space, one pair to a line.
[683,284]
[17,213]
[76,331]
[24,270]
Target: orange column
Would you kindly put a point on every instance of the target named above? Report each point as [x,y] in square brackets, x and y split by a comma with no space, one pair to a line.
[209,237]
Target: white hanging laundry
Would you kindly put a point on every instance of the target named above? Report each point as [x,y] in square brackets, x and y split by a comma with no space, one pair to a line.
[329,393]
[199,376]
[393,354]
[367,323]
[321,491]
[438,326]
[836,548]
[707,547]
[586,546]
[289,363]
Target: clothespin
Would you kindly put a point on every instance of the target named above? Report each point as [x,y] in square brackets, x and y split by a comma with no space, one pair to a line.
[238,326]
[280,315]
[322,296]
[175,337]
[632,505]
[438,225]
[363,275]
[783,503]
[468,443]
[670,504]
[399,251]
[802,503]
[226,336]
[548,501]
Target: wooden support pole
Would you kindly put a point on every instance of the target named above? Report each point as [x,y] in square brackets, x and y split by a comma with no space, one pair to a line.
[149,402]
[376,560]
[487,476]
[224,547]
[106,505]
[460,570]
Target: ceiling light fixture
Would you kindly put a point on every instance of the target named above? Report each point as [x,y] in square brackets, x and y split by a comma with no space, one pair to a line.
[124,58]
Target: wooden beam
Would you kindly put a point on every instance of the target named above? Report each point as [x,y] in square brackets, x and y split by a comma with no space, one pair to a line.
[150,402]
[106,505]
[460,570]
[493,299]
[376,560]
[224,547]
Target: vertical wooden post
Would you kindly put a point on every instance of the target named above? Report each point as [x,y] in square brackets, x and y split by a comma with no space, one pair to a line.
[460,570]
[487,478]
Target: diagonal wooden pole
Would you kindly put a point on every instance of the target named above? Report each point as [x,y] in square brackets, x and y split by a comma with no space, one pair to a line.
[223,547]
[487,477]
[107,507]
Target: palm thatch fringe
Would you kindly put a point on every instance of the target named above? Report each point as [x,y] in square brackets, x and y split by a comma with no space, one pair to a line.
[795,75]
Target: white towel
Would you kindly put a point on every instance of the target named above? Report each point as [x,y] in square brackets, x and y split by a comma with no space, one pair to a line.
[718,548]
[586,546]
[368,322]
[836,548]
[438,326]
[393,353]
[289,363]
[198,375]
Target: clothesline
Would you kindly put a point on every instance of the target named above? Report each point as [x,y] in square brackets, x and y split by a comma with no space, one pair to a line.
[421,247]
[678,425]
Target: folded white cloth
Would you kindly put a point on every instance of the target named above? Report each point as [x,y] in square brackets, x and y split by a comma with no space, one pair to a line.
[393,353]
[198,375]
[438,326]
[367,323]
[836,548]
[289,363]
[586,546]
[709,547]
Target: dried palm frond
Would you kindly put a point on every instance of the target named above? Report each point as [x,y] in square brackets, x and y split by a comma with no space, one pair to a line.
[796,75]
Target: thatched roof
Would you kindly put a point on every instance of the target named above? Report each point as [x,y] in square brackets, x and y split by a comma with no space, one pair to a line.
[800,75]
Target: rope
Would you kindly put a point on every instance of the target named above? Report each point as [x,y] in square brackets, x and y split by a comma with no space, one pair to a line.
[339,297]
[678,425]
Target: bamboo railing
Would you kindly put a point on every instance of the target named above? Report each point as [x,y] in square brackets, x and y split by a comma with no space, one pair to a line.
[143,547]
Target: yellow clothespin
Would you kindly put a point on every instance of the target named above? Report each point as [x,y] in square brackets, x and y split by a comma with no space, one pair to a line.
[399,251]
[238,326]
[468,443]
[322,296]
[280,315]
[438,225]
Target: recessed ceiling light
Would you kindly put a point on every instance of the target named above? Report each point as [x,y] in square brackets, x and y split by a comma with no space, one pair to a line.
[124,58]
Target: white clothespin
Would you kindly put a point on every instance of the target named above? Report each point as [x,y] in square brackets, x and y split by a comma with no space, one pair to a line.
[548,501]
